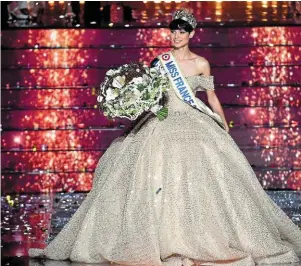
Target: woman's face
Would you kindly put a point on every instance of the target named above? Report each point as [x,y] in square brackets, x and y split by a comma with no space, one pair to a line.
[180,38]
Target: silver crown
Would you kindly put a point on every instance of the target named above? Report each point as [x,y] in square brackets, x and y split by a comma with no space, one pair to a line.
[184,14]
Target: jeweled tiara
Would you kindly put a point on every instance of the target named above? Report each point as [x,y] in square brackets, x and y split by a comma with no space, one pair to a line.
[184,14]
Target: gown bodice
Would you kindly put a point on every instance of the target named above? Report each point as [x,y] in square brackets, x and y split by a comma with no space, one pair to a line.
[197,83]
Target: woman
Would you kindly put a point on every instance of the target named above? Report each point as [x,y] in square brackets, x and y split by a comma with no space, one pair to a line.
[178,191]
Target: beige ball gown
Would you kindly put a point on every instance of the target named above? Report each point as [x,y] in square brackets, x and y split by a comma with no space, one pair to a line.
[176,191]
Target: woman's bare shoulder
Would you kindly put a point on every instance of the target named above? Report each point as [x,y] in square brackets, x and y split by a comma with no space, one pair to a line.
[203,65]
[200,59]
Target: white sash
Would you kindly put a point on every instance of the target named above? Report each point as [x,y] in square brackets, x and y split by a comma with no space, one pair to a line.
[182,88]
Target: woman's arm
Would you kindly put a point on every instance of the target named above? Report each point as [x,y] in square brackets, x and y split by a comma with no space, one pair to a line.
[216,106]
[204,68]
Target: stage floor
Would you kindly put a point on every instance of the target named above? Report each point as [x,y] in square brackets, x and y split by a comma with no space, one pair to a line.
[32,220]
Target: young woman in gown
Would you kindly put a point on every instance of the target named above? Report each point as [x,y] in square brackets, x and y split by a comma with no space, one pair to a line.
[177,191]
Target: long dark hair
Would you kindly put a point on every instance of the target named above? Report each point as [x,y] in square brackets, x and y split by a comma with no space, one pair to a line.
[179,24]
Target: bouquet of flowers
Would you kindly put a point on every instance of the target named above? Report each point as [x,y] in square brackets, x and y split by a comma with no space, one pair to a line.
[131,90]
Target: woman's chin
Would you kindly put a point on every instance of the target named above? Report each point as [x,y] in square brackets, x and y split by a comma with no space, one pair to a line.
[178,45]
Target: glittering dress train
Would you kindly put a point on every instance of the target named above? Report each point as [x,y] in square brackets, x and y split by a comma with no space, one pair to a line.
[173,192]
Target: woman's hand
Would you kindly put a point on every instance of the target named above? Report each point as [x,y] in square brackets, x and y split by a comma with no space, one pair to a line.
[217,107]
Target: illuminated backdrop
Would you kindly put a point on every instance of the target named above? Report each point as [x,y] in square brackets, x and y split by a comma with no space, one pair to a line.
[53,134]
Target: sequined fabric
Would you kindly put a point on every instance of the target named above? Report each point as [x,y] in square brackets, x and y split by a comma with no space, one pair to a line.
[202,83]
[174,191]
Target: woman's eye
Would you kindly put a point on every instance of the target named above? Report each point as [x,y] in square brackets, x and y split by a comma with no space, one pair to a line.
[181,32]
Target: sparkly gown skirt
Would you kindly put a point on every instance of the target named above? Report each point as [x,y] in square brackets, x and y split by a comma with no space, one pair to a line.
[175,191]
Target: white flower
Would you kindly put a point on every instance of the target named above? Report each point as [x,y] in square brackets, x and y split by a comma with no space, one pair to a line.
[99,98]
[134,97]
[116,92]
[118,82]
[110,95]
[145,78]
[137,93]
[110,72]
[138,80]
[155,108]
[116,106]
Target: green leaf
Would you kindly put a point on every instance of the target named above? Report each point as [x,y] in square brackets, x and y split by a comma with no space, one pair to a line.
[162,113]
